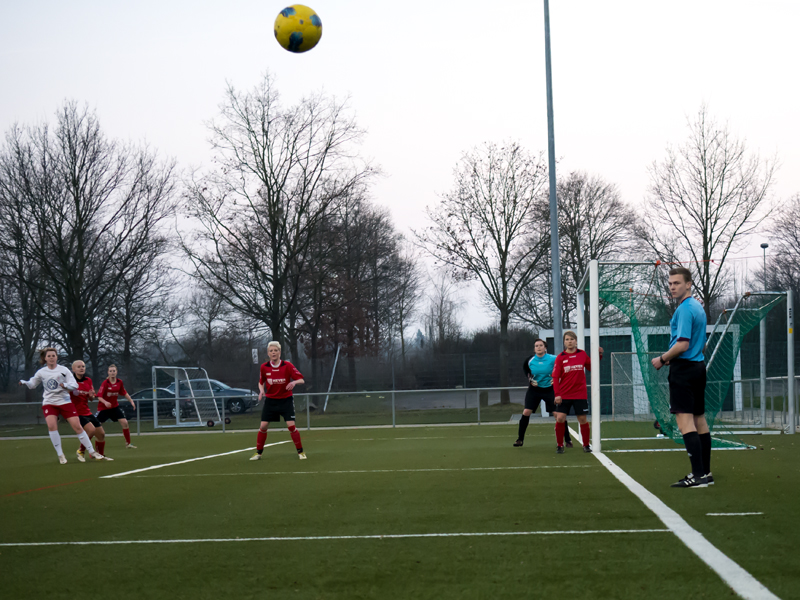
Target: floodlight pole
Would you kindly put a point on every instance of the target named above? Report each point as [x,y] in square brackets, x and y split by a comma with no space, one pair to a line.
[762,332]
[551,155]
[594,335]
[790,383]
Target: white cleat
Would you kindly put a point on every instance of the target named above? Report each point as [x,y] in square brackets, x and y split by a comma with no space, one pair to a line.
[130,446]
[108,458]
[301,455]
[256,456]
[81,456]
[62,459]
[96,455]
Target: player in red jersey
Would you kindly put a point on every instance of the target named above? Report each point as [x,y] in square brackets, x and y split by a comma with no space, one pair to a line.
[280,377]
[80,398]
[569,383]
[108,406]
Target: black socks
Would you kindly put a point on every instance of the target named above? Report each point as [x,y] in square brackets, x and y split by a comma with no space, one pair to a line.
[523,425]
[705,443]
[695,449]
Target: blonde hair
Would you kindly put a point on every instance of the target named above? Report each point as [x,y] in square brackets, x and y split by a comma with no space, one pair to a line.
[571,334]
[274,343]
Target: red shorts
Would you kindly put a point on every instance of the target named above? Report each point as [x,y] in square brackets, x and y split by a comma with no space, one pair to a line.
[65,410]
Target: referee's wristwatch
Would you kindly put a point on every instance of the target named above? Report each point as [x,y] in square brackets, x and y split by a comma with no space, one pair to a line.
[661,358]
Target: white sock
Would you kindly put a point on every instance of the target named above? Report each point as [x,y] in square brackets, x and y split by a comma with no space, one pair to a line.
[56,439]
[87,443]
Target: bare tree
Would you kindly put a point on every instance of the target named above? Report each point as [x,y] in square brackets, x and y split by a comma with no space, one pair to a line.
[405,296]
[279,171]
[705,197]
[593,223]
[783,266]
[89,208]
[484,228]
[441,317]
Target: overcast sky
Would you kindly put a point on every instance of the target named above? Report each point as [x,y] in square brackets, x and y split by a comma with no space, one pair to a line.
[427,80]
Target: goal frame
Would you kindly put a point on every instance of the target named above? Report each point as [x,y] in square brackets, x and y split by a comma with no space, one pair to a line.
[592,278]
[176,371]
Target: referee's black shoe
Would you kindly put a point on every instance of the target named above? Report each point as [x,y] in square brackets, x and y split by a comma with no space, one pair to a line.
[690,482]
[518,443]
[709,478]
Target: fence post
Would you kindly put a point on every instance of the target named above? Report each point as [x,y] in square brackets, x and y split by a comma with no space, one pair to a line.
[223,414]
[464,362]
[308,412]
[790,359]
[394,417]
[478,398]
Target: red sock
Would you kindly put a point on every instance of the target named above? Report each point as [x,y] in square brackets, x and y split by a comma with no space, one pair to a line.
[83,448]
[127,434]
[585,433]
[296,438]
[560,428]
[261,440]
[100,447]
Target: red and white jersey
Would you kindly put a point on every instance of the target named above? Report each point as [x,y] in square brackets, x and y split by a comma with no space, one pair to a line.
[569,375]
[109,392]
[275,379]
[80,397]
[52,380]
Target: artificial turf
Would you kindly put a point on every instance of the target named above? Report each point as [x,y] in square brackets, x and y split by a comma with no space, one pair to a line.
[367,482]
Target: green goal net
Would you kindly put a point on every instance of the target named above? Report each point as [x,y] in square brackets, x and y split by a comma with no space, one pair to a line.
[633,303]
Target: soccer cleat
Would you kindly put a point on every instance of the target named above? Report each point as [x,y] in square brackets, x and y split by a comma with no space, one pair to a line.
[130,446]
[568,444]
[62,459]
[559,449]
[709,478]
[256,456]
[96,455]
[301,455]
[587,449]
[689,482]
[81,456]
[108,458]
[518,443]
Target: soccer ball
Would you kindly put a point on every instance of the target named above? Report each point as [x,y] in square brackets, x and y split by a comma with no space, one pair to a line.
[298,28]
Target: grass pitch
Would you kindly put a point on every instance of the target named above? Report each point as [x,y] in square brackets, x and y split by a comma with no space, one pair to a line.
[358,518]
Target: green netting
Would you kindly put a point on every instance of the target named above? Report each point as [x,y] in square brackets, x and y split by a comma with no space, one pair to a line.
[636,296]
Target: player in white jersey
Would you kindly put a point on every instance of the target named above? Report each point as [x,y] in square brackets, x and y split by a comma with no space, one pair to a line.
[57,382]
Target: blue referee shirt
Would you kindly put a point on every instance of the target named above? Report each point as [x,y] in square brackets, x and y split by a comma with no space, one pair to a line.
[689,324]
[542,369]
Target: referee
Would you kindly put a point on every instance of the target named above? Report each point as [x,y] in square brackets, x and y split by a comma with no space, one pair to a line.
[687,377]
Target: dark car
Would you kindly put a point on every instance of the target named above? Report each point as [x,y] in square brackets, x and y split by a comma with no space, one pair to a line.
[237,400]
[144,403]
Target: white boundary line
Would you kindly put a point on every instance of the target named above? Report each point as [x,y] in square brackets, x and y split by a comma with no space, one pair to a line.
[668,450]
[333,537]
[368,471]
[183,462]
[740,581]
[745,514]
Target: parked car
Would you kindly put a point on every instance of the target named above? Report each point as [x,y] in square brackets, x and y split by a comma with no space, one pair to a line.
[144,402]
[237,400]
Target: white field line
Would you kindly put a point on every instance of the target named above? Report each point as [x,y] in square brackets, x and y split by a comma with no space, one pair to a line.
[183,462]
[671,450]
[744,514]
[740,581]
[397,536]
[368,471]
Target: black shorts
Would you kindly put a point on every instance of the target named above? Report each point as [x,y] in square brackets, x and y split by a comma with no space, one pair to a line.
[274,409]
[115,414]
[536,394]
[687,386]
[89,420]
[581,407]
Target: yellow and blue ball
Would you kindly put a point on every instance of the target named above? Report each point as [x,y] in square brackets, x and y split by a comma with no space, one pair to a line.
[298,28]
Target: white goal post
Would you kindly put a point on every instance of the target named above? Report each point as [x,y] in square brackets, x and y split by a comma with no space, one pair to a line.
[202,401]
